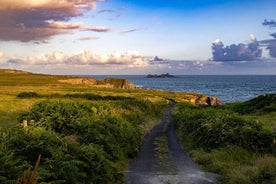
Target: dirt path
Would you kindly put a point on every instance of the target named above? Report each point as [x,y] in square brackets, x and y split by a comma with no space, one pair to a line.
[161,159]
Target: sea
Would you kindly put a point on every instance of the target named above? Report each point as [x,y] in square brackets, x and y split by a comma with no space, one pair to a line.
[229,88]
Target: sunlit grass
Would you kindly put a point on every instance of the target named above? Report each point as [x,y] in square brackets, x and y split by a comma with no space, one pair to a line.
[267,120]
[11,107]
[237,165]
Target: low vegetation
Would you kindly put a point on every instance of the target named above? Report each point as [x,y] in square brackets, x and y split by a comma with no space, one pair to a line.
[230,141]
[79,141]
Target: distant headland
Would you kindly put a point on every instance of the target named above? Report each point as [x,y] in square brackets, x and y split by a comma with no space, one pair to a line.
[166,75]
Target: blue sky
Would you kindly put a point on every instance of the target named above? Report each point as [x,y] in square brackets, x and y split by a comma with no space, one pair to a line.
[123,37]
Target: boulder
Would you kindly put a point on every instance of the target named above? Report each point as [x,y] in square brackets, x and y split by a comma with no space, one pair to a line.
[208,101]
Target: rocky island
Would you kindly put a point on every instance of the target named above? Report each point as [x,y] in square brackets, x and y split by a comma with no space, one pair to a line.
[167,75]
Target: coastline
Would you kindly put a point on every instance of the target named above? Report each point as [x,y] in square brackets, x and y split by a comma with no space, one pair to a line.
[229,88]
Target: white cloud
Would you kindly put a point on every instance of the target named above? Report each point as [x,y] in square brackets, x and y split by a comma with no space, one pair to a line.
[77,25]
[132,59]
[1,54]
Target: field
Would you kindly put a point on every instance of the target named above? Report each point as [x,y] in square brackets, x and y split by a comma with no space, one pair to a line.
[84,132]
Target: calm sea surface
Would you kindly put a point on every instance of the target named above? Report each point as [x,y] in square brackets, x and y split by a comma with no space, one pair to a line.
[227,87]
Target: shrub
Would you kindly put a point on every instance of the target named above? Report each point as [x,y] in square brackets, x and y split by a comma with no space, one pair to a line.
[262,104]
[28,95]
[79,141]
[214,128]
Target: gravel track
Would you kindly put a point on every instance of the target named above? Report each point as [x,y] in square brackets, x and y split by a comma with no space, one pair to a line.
[179,167]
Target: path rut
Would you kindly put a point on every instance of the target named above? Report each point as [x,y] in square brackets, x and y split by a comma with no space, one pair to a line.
[171,165]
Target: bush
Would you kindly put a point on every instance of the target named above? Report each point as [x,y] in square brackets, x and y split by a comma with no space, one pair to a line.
[87,96]
[214,128]
[79,141]
[28,95]
[262,104]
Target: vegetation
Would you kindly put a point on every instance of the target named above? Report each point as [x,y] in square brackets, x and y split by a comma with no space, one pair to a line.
[88,135]
[79,141]
[83,134]
[229,141]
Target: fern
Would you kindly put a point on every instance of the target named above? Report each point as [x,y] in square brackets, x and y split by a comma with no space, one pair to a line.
[30,177]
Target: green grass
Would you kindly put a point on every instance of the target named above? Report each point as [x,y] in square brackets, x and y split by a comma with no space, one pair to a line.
[11,107]
[230,142]
[268,120]
[13,83]
[237,165]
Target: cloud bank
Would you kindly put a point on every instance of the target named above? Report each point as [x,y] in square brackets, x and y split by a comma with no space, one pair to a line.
[31,20]
[130,59]
[236,52]
[271,43]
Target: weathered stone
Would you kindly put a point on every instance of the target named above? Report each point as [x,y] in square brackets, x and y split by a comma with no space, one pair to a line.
[25,123]
[207,101]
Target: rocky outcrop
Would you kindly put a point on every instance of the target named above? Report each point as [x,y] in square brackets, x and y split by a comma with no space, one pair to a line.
[198,99]
[106,83]
[118,83]
[208,101]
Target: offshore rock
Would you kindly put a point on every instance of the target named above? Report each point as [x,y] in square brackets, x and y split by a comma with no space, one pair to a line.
[166,75]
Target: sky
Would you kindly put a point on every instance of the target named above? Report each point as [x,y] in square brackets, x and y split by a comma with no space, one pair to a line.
[122,37]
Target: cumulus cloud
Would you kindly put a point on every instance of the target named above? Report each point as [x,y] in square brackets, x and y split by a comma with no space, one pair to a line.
[239,52]
[30,20]
[132,59]
[270,43]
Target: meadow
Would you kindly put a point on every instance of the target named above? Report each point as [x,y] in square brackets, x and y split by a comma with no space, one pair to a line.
[78,133]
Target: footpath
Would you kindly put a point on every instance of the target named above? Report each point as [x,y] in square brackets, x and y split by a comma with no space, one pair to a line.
[162,160]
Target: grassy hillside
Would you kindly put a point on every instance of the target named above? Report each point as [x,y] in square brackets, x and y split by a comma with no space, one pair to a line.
[14,82]
[85,133]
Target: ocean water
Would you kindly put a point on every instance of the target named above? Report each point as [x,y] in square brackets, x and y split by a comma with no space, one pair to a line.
[229,88]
